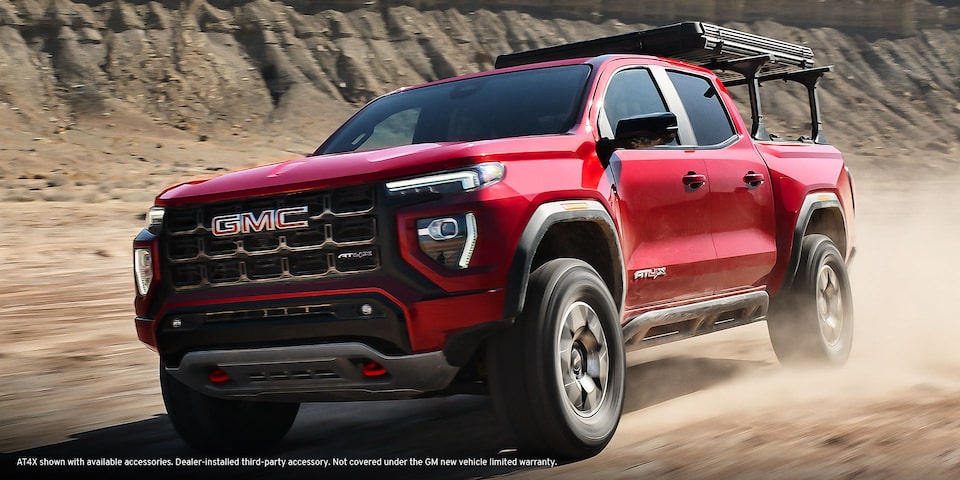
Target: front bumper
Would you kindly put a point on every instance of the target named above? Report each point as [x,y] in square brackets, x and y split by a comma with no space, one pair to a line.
[303,373]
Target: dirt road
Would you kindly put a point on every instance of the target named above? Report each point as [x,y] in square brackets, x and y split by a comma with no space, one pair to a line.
[75,382]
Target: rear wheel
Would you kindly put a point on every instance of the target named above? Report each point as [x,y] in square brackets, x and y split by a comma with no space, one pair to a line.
[557,377]
[217,425]
[813,322]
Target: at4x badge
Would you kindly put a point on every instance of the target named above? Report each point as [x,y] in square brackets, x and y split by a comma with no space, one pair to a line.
[650,273]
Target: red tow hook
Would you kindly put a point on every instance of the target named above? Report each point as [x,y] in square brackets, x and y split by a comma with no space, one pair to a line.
[372,369]
[217,375]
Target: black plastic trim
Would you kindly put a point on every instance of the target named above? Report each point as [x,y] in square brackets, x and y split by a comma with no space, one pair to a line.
[328,372]
[543,218]
[385,330]
[696,319]
[810,205]
[461,345]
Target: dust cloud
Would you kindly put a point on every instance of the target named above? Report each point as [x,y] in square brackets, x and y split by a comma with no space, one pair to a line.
[720,406]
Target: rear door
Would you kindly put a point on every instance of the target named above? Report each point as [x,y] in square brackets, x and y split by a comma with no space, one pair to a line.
[741,206]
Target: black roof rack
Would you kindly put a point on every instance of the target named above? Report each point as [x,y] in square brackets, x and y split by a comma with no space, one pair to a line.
[699,43]
[736,57]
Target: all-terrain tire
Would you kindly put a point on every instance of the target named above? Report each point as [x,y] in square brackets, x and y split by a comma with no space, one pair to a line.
[812,322]
[216,425]
[557,376]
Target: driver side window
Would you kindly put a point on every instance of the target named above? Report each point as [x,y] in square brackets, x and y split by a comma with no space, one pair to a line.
[630,93]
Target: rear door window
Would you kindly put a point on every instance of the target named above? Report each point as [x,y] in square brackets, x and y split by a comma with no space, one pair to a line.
[709,119]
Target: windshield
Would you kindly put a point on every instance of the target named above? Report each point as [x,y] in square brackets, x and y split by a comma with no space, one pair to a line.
[528,102]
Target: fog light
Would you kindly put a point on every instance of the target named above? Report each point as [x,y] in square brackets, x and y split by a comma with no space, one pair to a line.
[443,229]
[143,269]
[449,240]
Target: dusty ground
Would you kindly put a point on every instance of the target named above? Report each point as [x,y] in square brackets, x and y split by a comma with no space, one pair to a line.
[714,407]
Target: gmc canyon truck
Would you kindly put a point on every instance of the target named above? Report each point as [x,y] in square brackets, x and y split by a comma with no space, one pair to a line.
[511,232]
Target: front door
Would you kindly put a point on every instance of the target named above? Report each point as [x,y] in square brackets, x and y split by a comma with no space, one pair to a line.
[662,200]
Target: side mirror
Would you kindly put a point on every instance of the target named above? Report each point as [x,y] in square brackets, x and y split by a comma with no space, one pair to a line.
[646,130]
[642,131]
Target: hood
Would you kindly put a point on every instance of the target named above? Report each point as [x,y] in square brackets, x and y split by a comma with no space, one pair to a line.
[329,171]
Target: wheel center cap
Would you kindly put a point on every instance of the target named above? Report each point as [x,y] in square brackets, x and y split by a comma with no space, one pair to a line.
[576,361]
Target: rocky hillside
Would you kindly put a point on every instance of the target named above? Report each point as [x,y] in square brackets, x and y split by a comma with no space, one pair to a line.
[214,68]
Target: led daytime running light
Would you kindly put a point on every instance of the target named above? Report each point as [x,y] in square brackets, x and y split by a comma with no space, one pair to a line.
[471,241]
[478,176]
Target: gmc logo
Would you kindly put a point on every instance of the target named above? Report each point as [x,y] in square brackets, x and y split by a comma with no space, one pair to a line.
[247,222]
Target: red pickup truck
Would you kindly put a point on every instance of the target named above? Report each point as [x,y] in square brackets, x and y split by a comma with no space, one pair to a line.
[511,232]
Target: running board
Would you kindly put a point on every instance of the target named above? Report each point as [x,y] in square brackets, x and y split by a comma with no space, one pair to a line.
[675,323]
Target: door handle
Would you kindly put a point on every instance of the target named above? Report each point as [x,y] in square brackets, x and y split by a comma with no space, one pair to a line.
[753,179]
[693,180]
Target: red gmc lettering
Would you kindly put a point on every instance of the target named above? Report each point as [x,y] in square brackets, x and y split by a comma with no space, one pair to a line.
[247,222]
[282,222]
[226,225]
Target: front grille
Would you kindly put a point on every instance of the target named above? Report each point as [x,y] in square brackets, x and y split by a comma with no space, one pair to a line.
[259,241]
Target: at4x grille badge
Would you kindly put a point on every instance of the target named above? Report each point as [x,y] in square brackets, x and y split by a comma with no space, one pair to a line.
[650,273]
[247,222]
[356,255]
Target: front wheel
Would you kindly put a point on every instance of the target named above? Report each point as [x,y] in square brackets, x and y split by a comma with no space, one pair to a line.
[812,322]
[557,377]
[217,425]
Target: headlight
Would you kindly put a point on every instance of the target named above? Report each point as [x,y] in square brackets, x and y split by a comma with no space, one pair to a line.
[450,240]
[477,176]
[143,269]
[154,217]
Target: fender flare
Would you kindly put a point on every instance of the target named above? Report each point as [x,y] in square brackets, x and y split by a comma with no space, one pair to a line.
[543,218]
[811,203]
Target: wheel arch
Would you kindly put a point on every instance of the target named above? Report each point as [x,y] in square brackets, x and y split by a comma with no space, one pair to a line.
[821,213]
[581,229]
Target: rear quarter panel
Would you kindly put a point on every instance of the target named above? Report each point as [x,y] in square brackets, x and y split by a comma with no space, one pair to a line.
[796,171]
